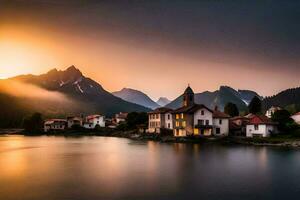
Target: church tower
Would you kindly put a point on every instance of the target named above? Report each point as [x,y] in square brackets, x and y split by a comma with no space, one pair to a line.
[188,97]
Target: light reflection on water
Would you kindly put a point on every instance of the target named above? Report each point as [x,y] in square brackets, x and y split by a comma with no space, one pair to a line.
[114,168]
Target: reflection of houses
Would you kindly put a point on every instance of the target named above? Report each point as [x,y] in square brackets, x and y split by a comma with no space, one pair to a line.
[272,110]
[197,119]
[237,125]
[74,121]
[120,117]
[296,117]
[55,124]
[92,121]
[159,119]
[260,126]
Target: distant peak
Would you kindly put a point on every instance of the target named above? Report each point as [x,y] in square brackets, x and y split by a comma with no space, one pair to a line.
[52,71]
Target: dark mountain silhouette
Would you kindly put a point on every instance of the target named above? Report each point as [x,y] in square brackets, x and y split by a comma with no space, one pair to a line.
[137,97]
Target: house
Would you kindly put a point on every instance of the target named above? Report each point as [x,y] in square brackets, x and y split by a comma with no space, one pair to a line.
[272,110]
[197,119]
[220,123]
[74,121]
[237,125]
[92,121]
[120,117]
[160,118]
[296,117]
[260,126]
[55,125]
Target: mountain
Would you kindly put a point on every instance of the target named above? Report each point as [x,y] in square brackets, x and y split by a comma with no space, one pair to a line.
[289,99]
[162,101]
[137,97]
[60,93]
[220,98]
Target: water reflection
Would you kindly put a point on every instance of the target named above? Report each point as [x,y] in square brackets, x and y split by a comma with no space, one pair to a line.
[114,168]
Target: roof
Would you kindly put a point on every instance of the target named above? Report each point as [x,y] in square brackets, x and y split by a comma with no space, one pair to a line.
[239,117]
[188,90]
[161,110]
[51,121]
[93,116]
[219,114]
[250,115]
[296,114]
[260,119]
[191,109]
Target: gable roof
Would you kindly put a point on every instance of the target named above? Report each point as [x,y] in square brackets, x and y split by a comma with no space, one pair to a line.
[219,114]
[191,109]
[161,110]
[260,119]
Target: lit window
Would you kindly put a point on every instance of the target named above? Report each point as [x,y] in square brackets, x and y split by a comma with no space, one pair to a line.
[177,123]
[182,116]
[196,131]
[177,116]
[183,123]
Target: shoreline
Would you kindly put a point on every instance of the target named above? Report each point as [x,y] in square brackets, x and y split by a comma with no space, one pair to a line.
[135,135]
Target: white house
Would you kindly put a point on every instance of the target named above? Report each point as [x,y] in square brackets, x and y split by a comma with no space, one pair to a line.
[120,117]
[272,110]
[159,119]
[260,126]
[220,123]
[296,117]
[55,125]
[92,121]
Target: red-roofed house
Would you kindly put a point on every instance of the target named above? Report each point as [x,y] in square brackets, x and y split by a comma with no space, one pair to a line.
[92,121]
[260,126]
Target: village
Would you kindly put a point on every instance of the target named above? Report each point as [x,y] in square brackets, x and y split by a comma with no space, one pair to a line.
[190,119]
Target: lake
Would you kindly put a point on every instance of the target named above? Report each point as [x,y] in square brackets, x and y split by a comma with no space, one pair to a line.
[54,168]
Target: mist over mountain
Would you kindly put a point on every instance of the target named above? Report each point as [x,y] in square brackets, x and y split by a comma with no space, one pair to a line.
[220,98]
[60,93]
[137,97]
[162,101]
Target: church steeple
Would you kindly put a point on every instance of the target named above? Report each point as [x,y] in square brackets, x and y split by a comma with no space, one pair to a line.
[188,96]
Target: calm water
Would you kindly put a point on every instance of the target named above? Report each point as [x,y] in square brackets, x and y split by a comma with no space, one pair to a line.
[51,168]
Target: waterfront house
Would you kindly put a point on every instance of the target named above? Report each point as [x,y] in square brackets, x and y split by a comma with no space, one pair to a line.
[92,121]
[160,118]
[260,126]
[237,125]
[74,121]
[55,125]
[197,119]
[296,117]
[272,110]
[220,123]
[120,117]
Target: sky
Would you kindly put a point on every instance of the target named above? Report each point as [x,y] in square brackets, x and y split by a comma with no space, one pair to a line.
[158,47]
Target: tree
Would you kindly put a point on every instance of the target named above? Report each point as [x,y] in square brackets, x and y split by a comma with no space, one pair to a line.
[255,105]
[231,109]
[34,123]
[283,118]
[134,118]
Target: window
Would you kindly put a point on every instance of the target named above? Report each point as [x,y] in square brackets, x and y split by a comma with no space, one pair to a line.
[168,116]
[182,116]
[256,127]
[97,122]
[177,123]
[218,130]
[169,126]
[220,121]
[206,122]
[196,131]
[202,112]
[183,124]
[200,122]
[177,116]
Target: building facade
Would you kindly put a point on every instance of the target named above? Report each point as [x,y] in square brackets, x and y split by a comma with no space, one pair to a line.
[92,121]
[160,118]
[55,125]
[260,126]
